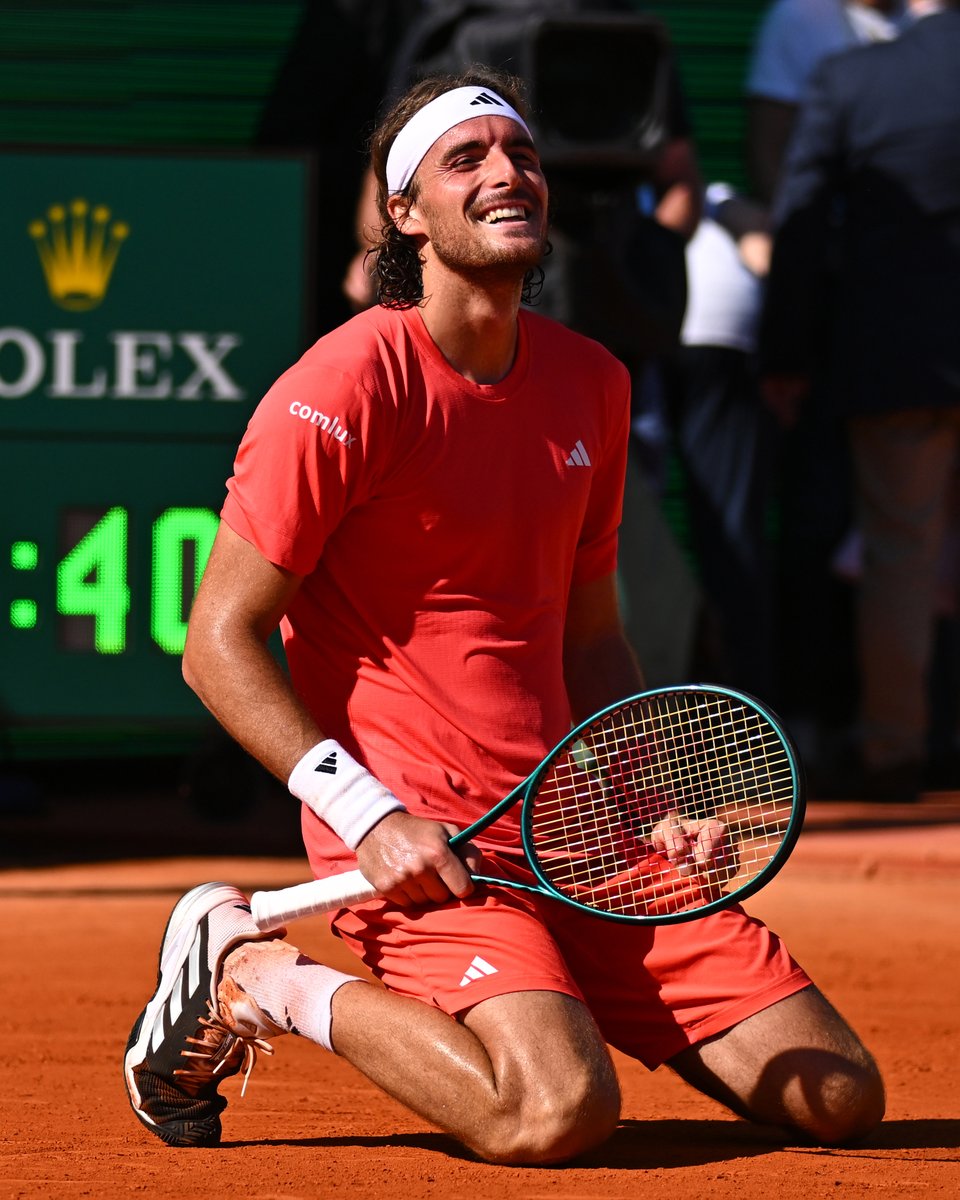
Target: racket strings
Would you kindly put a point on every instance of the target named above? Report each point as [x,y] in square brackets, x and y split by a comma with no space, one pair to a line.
[664,805]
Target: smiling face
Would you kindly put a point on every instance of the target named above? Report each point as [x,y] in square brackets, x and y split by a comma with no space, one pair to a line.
[478,201]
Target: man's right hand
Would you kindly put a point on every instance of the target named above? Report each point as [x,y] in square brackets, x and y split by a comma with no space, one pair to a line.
[409,860]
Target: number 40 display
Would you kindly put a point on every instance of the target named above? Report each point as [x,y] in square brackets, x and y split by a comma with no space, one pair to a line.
[92,577]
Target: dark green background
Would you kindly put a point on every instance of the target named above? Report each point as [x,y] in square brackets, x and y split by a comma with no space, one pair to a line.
[151,73]
[218,242]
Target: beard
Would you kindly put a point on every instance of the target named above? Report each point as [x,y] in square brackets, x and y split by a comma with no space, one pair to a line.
[465,250]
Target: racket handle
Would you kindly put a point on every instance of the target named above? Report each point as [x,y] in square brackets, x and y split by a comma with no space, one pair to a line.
[270,910]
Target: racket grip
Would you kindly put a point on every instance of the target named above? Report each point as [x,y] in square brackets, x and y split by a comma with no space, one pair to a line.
[270,910]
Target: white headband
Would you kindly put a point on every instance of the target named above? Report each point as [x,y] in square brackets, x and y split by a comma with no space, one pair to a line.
[432,122]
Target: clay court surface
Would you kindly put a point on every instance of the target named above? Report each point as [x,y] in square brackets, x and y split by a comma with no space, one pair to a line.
[869,904]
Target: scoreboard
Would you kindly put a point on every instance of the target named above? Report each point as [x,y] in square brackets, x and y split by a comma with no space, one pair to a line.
[149,302]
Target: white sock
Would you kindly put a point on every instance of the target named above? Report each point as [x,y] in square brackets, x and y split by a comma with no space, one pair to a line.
[271,988]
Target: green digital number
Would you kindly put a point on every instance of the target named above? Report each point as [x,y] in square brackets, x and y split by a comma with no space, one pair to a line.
[92,581]
[182,540]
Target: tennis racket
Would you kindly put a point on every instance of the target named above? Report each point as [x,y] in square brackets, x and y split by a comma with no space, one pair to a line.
[662,808]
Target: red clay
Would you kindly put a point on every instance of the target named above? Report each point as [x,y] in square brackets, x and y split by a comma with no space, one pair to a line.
[872,914]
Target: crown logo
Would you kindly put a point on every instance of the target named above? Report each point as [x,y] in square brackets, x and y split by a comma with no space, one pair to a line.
[78,247]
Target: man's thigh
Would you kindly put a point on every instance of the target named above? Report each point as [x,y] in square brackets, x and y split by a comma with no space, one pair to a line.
[455,956]
[547,1043]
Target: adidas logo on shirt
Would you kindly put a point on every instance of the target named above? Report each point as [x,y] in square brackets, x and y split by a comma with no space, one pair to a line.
[579,456]
[477,969]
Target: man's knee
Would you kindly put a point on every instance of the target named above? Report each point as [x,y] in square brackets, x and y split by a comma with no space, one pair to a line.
[842,1103]
[833,1086]
[796,1064]
[557,1093]
[550,1126]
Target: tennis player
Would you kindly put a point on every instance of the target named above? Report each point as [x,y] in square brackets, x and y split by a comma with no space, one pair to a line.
[427,504]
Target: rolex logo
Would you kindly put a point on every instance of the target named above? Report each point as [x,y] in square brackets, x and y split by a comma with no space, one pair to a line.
[78,247]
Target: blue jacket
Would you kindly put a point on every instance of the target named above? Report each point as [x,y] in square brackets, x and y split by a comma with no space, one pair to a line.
[864,288]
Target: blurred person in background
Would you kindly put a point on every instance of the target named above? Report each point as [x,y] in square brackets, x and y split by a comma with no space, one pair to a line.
[863,303]
[793,39]
[816,664]
[726,440]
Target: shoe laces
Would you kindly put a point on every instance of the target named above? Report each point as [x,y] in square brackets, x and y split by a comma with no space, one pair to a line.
[221,1050]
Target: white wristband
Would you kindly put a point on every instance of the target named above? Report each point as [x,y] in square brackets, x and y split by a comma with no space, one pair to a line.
[341,792]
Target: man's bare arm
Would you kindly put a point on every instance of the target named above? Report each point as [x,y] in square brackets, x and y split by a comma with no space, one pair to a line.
[599,665]
[228,664]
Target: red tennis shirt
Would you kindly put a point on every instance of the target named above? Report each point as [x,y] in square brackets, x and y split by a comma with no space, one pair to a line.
[438,526]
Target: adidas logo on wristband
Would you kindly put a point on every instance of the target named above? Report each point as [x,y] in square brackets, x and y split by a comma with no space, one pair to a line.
[351,800]
[329,765]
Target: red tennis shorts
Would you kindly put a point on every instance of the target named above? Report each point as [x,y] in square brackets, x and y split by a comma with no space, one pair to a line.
[653,991]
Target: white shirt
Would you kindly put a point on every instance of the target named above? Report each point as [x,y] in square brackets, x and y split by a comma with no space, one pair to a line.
[724,297]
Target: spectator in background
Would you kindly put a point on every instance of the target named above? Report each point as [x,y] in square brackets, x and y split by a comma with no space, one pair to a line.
[794,38]
[725,439]
[874,173]
[816,664]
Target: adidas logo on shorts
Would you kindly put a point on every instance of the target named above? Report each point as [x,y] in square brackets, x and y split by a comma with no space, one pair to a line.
[477,969]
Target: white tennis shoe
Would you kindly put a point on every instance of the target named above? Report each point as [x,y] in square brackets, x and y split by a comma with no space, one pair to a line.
[185,1042]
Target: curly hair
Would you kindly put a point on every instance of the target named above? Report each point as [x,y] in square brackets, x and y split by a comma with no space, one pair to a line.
[399,266]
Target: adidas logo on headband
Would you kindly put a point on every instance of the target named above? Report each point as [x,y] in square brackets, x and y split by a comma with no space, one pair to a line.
[432,122]
[486,98]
